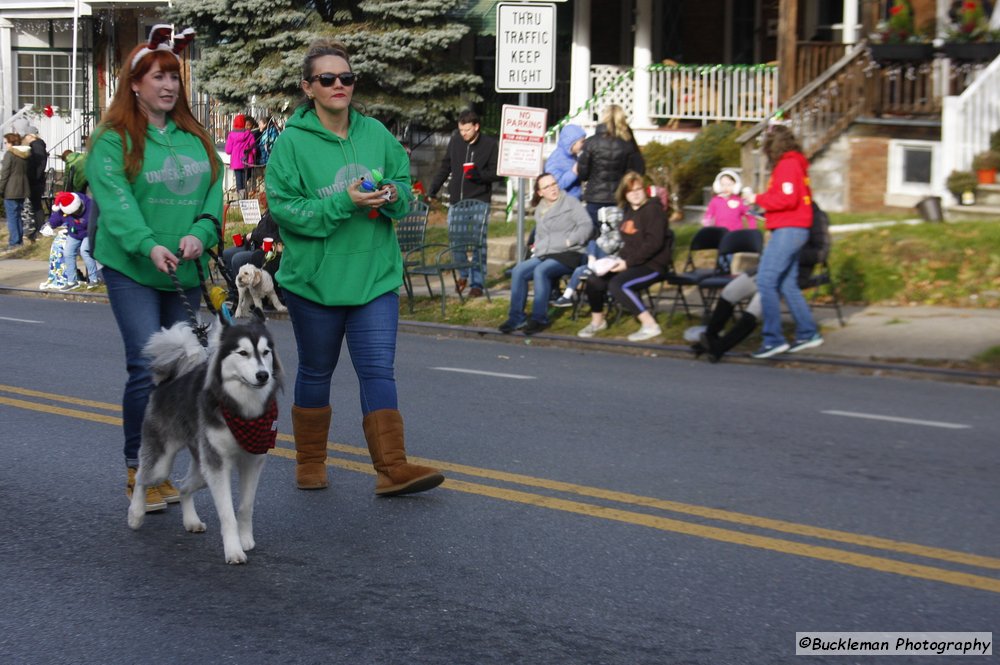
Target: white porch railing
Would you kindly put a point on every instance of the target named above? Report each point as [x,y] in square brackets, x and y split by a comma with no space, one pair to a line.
[733,93]
[967,121]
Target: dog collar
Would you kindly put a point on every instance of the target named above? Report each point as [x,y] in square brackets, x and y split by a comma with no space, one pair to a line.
[255,435]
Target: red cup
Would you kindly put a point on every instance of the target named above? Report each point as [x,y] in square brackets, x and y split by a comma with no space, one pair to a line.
[238,239]
[466,167]
[267,244]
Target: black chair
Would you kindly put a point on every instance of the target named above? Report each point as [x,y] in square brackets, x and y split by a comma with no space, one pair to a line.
[467,226]
[411,232]
[706,238]
[820,275]
[746,241]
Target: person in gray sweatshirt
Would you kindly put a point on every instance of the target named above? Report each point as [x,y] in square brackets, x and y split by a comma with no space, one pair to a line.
[562,228]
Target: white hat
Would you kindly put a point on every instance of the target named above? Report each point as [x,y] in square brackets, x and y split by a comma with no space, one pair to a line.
[717,185]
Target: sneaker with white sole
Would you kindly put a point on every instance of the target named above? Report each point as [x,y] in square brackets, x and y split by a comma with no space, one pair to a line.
[644,333]
[168,492]
[563,301]
[802,344]
[768,351]
[590,330]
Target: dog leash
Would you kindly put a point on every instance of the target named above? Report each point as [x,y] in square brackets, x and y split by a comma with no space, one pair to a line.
[201,329]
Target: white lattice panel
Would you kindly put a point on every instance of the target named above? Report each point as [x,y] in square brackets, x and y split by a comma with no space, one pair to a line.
[603,76]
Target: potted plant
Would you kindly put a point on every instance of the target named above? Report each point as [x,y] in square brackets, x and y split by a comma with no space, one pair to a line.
[962,185]
[970,37]
[896,38]
[985,164]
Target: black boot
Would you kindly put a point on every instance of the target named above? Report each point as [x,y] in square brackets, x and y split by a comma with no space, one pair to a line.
[709,339]
[739,332]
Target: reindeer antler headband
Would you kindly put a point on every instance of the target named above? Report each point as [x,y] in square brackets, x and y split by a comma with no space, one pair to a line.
[159,40]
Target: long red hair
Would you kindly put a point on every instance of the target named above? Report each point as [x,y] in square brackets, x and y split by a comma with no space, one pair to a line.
[127,118]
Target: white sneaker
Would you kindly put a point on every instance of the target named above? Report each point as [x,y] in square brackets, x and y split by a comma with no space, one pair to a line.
[590,330]
[645,333]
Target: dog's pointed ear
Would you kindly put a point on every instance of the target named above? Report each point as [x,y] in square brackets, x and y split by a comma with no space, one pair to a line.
[258,314]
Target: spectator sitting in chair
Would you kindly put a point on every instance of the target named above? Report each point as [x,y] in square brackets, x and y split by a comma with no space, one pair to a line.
[715,346]
[252,249]
[644,259]
[561,230]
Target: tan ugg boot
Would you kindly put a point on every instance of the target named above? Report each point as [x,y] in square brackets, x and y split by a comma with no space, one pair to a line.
[311,427]
[384,433]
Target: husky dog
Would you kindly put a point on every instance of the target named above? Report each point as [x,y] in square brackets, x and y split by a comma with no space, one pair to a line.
[253,285]
[221,404]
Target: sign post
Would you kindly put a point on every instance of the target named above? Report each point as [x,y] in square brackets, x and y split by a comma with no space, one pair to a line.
[525,62]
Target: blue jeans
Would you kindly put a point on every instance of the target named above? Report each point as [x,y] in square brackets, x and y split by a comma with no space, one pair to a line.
[76,246]
[14,208]
[544,273]
[141,311]
[370,330]
[582,269]
[475,274]
[777,277]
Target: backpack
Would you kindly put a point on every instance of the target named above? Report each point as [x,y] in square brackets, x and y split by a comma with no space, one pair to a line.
[817,248]
[266,142]
[249,155]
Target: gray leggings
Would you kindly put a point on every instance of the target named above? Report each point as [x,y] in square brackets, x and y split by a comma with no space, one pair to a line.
[741,288]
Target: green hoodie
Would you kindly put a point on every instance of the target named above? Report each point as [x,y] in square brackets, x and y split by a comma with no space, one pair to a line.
[334,253]
[159,208]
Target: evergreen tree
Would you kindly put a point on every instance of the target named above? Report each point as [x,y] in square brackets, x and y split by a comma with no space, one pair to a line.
[403,51]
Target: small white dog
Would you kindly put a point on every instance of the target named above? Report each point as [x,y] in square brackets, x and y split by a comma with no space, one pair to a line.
[254,285]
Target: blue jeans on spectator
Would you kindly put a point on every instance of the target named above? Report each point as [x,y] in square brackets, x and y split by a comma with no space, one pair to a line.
[592,250]
[544,272]
[475,274]
[14,208]
[74,246]
[141,311]
[777,277]
[370,330]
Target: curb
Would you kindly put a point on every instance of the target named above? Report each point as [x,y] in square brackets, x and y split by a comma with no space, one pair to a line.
[901,368]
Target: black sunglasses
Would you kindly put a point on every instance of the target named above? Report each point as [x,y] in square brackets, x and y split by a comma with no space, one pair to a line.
[327,80]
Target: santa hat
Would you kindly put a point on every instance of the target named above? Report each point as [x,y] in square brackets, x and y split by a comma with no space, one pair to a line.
[239,122]
[68,203]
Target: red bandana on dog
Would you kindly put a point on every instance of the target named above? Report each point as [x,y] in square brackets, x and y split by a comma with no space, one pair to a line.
[256,435]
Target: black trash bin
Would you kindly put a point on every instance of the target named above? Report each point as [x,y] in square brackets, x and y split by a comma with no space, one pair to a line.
[930,209]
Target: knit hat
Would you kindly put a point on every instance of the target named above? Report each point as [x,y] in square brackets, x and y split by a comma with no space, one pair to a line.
[239,122]
[67,202]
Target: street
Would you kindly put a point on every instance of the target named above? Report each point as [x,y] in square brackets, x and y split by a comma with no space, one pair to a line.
[598,508]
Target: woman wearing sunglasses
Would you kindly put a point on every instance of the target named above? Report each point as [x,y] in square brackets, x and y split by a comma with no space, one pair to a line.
[336,180]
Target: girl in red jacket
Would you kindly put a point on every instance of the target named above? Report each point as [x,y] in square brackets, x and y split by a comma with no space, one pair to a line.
[788,215]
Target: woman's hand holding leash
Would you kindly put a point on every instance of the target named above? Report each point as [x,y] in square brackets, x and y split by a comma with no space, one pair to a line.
[167,262]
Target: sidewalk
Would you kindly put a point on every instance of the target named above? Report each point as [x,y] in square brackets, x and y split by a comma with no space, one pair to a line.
[872,333]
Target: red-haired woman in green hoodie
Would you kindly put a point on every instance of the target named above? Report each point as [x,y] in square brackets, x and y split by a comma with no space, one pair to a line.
[153,171]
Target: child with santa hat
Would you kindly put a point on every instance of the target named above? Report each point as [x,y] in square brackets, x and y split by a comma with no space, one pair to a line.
[73,209]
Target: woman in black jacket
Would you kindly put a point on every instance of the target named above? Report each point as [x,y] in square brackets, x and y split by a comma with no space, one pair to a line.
[605,158]
[643,260]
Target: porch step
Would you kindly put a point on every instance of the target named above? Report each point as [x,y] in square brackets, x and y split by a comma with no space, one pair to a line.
[988,195]
[500,254]
[972,213]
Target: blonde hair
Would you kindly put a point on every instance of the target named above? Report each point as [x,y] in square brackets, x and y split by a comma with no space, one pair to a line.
[616,122]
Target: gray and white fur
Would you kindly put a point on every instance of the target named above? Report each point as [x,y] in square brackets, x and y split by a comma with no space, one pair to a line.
[239,370]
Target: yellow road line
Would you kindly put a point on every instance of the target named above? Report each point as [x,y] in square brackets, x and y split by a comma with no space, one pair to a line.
[653,521]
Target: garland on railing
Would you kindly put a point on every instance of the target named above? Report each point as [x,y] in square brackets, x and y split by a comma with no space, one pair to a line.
[707,69]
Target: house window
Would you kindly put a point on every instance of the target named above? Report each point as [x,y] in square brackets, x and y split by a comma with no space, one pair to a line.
[43,78]
[912,170]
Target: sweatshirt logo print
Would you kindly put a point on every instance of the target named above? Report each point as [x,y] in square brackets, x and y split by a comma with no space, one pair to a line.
[180,174]
[344,176]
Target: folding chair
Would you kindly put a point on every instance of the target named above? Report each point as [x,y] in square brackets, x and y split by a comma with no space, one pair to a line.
[821,275]
[707,238]
[411,231]
[467,226]
[747,241]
